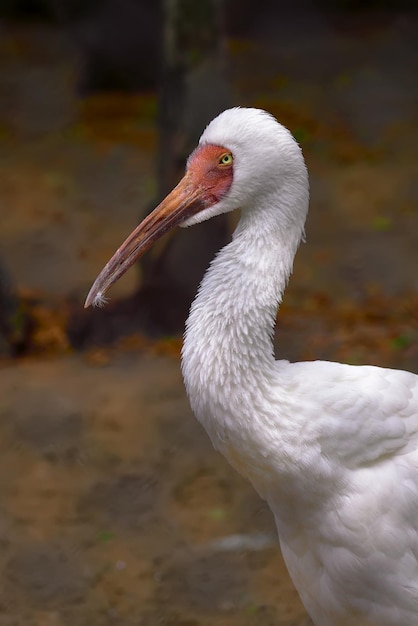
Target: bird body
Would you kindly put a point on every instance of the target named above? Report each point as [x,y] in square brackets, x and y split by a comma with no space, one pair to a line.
[331,447]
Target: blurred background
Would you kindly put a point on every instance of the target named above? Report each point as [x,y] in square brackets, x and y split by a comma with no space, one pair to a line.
[114,508]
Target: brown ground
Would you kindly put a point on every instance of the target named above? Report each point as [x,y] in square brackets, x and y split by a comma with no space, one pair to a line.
[114,509]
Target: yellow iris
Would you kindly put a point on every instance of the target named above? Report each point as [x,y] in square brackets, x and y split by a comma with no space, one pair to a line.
[226,159]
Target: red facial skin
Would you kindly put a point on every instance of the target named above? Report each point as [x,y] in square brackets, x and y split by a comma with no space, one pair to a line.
[215,178]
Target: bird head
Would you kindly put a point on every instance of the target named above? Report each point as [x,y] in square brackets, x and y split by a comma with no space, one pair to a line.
[243,159]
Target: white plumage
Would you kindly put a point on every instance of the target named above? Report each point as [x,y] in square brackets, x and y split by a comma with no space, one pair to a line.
[331,447]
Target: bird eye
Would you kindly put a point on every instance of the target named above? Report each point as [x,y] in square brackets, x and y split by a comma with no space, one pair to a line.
[226,159]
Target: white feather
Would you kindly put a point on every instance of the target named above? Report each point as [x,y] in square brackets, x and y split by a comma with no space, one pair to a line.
[100,300]
[331,447]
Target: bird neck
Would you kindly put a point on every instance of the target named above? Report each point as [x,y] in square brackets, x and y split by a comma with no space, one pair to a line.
[228,354]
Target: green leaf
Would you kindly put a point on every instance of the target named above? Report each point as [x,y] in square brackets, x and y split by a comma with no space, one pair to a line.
[252,609]
[217,514]
[104,536]
[301,135]
[382,223]
[401,341]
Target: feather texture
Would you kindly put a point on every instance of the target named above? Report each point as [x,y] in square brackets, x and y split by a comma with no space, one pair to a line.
[331,447]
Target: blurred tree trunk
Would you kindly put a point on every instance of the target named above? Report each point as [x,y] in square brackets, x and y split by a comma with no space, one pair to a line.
[193,86]
[193,90]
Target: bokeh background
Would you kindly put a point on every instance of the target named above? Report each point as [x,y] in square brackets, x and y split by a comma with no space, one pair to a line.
[114,508]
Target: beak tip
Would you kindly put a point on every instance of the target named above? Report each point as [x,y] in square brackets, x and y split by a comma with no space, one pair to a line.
[89,299]
[94,298]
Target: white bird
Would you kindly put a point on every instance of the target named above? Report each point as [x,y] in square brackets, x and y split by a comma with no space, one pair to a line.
[331,447]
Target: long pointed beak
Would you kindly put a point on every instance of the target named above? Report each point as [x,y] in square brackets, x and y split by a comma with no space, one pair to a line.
[185,200]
